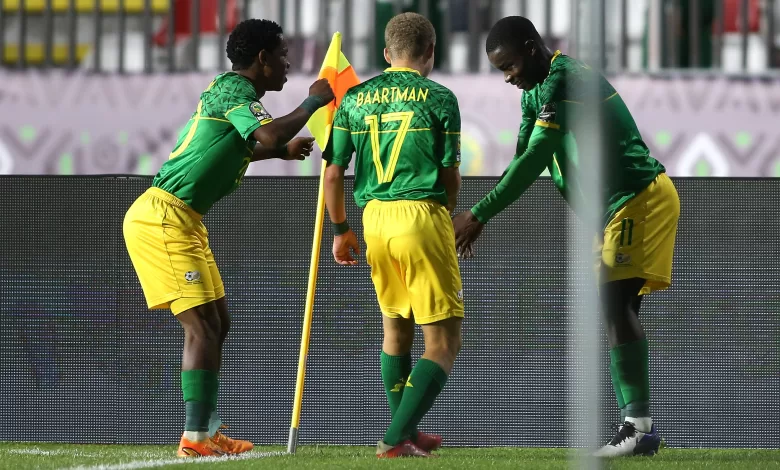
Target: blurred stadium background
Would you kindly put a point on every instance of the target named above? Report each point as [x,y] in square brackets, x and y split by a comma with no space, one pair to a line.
[126,72]
[101,87]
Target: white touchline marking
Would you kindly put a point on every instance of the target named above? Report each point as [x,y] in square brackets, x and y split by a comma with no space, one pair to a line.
[39,451]
[161,463]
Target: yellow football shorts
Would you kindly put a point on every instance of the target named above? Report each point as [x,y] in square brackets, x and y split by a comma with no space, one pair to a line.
[639,240]
[414,266]
[169,247]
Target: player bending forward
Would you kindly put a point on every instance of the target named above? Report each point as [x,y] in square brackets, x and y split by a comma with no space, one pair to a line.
[640,202]
[405,132]
[165,237]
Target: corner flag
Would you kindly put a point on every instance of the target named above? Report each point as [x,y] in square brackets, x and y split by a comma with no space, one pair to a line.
[342,77]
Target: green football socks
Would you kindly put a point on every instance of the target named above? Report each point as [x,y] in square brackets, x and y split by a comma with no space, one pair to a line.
[199,388]
[630,368]
[613,372]
[425,383]
[395,372]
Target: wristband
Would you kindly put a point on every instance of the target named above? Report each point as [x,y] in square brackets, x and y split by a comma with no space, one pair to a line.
[340,229]
[312,103]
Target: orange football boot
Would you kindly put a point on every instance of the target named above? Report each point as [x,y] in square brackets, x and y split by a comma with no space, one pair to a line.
[229,445]
[204,448]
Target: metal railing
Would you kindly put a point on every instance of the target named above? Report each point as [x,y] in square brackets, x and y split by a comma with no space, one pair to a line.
[126,36]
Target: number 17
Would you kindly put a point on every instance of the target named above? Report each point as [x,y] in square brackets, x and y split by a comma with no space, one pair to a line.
[385,175]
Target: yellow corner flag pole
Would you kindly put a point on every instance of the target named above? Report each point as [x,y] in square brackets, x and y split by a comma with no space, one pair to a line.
[337,69]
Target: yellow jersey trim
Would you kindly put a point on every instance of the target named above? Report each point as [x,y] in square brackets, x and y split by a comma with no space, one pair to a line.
[190,133]
[392,130]
[452,133]
[235,108]
[402,69]
[549,125]
[555,56]
[340,128]
[215,119]
[580,102]
[555,160]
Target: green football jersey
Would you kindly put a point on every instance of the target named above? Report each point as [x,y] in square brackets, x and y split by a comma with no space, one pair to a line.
[215,147]
[628,166]
[403,128]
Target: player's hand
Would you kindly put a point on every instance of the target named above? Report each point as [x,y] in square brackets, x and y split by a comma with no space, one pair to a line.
[467,230]
[343,248]
[321,88]
[299,148]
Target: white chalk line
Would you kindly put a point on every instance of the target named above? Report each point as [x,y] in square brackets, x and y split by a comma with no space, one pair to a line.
[136,464]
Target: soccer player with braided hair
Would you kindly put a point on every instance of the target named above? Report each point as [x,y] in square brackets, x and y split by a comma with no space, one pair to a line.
[641,206]
[164,233]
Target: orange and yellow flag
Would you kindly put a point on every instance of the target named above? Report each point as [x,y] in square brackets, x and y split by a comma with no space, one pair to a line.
[341,76]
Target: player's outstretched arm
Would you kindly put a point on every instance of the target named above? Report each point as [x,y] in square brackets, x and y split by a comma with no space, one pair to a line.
[344,239]
[280,131]
[521,173]
[297,149]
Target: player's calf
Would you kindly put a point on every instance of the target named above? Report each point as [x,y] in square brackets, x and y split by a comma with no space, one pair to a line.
[199,378]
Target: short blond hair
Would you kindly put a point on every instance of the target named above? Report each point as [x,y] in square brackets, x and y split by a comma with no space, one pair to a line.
[409,35]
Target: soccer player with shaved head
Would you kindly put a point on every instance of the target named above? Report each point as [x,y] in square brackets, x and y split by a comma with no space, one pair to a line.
[640,202]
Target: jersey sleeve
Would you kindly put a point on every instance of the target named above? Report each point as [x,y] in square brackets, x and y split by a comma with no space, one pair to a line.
[340,147]
[521,173]
[450,119]
[527,124]
[244,111]
[551,101]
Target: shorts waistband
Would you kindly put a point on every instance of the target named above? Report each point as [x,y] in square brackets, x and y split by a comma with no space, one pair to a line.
[169,198]
[404,203]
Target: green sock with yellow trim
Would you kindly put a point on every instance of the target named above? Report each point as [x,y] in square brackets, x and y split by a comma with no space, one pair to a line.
[395,372]
[425,383]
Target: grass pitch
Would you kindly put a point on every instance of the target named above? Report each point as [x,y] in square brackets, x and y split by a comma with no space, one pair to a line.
[18,456]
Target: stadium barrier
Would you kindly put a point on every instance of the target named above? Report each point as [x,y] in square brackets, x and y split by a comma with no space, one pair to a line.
[83,360]
[129,124]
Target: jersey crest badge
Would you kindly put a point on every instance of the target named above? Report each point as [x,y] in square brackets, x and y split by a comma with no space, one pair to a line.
[258,111]
[548,113]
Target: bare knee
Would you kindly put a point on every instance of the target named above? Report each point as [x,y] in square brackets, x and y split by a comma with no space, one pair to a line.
[443,342]
[620,308]
[398,336]
[201,324]
[447,347]
[224,318]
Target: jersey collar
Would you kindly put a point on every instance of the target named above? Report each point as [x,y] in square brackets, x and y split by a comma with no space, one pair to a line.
[401,69]
[555,56]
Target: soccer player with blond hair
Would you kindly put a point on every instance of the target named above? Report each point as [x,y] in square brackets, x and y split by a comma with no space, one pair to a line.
[405,132]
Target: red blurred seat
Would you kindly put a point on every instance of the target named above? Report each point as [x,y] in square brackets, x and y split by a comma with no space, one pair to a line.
[732,13]
[209,19]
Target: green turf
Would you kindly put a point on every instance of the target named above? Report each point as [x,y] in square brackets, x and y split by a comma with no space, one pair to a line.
[17,456]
